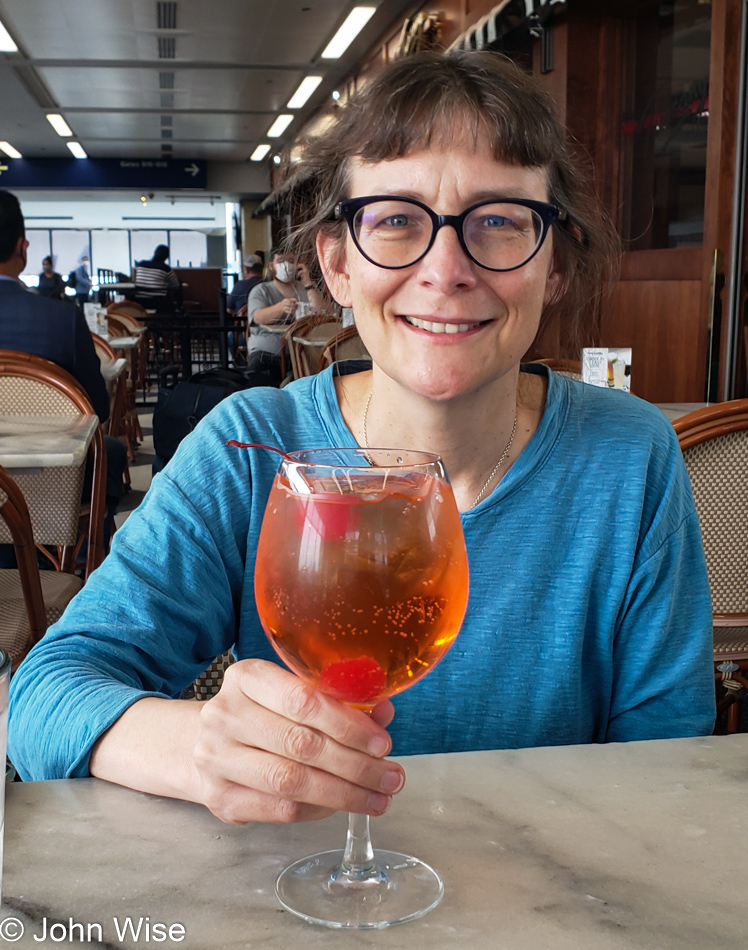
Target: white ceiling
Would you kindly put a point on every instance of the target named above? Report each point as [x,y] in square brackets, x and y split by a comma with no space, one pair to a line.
[236,64]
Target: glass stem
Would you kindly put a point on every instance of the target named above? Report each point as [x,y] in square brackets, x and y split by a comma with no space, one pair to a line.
[358,859]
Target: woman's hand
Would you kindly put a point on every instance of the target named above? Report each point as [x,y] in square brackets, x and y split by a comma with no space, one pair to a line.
[271,748]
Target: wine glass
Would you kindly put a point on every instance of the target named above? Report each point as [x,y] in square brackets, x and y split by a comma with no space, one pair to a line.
[361,585]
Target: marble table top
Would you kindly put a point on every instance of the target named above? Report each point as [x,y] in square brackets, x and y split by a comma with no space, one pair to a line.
[45,441]
[124,342]
[112,369]
[637,846]
[675,410]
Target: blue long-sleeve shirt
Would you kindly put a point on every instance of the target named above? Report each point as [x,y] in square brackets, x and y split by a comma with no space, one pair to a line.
[589,617]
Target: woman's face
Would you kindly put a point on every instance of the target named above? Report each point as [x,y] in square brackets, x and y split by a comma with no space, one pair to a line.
[501,310]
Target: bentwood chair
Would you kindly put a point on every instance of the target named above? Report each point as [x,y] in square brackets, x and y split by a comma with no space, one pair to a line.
[570,368]
[714,442]
[117,425]
[29,386]
[30,599]
[345,345]
[304,341]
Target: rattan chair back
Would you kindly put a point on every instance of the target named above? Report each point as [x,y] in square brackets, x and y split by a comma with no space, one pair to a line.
[30,600]
[30,386]
[345,345]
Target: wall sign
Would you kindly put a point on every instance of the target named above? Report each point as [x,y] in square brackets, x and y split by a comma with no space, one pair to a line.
[140,173]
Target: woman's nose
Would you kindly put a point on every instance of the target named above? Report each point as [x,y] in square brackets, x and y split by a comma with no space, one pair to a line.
[446,267]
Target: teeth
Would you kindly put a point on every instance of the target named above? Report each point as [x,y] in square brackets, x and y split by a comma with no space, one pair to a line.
[438,327]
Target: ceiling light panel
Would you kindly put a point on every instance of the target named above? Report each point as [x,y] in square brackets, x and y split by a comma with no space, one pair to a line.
[279,126]
[77,149]
[7,44]
[259,153]
[304,92]
[59,124]
[354,23]
[8,149]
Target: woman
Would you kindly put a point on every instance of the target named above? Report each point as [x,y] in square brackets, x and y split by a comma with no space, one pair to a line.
[51,283]
[80,279]
[589,616]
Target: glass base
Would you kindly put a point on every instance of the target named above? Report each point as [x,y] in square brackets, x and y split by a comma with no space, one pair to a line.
[398,889]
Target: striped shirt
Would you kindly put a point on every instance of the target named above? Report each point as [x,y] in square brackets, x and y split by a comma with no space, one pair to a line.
[154,280]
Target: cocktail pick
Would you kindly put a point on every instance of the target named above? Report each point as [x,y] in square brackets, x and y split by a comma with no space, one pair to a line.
[296,478]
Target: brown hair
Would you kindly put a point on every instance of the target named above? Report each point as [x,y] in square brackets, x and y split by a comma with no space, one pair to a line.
[434,98]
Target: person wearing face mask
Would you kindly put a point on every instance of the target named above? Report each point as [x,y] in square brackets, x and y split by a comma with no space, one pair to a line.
[51,284]
[271,306]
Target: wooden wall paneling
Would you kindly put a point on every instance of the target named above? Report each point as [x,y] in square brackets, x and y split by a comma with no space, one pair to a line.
[204,285]
[660,321]
[720,171]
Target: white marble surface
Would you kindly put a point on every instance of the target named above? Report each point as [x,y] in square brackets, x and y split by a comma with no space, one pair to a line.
[112,369]
[674,410]
[124,342]
[637,846]
[44,441]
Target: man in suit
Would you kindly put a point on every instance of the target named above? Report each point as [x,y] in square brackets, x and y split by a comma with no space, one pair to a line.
[55,330]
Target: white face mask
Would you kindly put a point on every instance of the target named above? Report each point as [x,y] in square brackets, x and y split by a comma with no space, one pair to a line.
[285,272]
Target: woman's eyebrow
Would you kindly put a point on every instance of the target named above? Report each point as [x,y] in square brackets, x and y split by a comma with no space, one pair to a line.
[498,194]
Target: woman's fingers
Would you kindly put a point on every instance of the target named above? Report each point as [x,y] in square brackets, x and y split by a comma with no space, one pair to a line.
[296,753]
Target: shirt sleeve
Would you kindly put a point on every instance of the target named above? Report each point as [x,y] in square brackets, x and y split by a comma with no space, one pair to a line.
[150,620]
[259,298]
[663,675]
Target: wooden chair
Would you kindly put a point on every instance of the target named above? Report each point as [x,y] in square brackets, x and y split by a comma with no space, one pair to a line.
[345,345]
[714,442]
[570,368]
[29,386]
[129,307]
[125,325]
[304,341]
[117,425]
[30,599]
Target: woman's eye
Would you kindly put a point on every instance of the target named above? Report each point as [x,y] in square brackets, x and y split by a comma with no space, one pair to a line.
[497,221]
[395,221]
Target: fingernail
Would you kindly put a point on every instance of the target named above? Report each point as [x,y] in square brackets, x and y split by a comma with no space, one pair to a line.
[378,804]
[392,781]
[379,746]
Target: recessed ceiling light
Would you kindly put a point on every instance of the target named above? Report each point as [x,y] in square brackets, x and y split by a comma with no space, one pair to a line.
[77,149]
[279,126]
[6,41]
[259,153]
[335,94]
[302,94]
[59,124]
[9,150]
[276,159]
[354,23]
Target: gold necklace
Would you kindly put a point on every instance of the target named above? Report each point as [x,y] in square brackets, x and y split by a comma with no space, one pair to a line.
[497,466]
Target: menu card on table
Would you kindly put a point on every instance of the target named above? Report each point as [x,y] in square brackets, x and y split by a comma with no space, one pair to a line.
[607,366]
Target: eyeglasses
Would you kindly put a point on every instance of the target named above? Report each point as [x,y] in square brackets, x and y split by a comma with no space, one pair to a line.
[396,232]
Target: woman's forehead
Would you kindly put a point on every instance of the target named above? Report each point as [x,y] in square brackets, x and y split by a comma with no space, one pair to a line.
[461,170]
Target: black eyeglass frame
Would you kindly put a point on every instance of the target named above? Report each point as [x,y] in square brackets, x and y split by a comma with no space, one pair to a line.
[548,213]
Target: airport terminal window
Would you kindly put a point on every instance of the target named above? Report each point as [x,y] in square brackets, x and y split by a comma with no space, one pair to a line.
[144,243]
[664,128]
[188,249]
[68,246]
[110,250]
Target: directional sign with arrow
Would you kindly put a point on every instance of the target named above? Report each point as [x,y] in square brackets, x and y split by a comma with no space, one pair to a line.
[137,173]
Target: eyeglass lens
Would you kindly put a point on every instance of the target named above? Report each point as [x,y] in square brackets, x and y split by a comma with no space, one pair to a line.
[499,235]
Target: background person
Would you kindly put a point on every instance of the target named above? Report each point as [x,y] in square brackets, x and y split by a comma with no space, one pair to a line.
[80,280]
[271,306]
[51,284]
[574,633]
[253,268]
[157,287]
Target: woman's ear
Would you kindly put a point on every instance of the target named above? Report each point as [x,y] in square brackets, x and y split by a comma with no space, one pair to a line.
[334,265]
